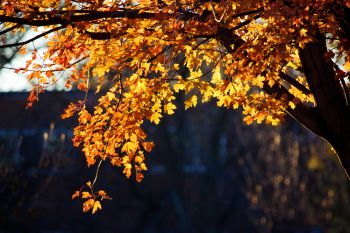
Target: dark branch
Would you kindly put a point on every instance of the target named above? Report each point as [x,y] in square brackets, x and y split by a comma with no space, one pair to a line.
[307,116]
[294,83]
[161,52]
[247,13]
[32,39]
[9,29]
[102,35]
[60,19]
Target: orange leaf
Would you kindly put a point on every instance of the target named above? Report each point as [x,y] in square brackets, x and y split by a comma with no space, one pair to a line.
[75,195]
[82,86]
[148,146]
[88,204]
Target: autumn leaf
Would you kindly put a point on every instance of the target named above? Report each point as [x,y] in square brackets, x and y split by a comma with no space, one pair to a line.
[89,184]
[49,73]
[87,205]
[347,66]
[110,96]
[191,102]
[83,86]
[97,206]
[155,118]
[70,110]
[85,195]
[169,108]
[303,32]
[130,147]
[139,177]
[75,195]
[248,120]
[216,75]
[178,87]
[148,146]
[22,50]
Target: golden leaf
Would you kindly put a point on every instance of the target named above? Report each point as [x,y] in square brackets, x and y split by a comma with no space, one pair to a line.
[191,102]
[178,87]
[85,195]
[87,205]
[155,118]
[169,108]
[97,205]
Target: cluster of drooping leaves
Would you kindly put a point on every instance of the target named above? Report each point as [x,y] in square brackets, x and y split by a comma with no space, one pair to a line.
[147,51]
[91,198]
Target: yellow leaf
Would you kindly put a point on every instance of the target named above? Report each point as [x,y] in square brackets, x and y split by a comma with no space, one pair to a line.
[169,108]
[130,147]
[85,195]
[97,205]
[155,117]
[191,102]
[100,71]
[303,32]
[89,184]
[291,104]
[143,166]
[347,66]
[176,66]
[127,170]
[178,87]
[259,81]
[146,67]
[216,75]
[110,96]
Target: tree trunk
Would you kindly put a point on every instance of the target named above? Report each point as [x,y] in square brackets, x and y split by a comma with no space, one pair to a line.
[331,115]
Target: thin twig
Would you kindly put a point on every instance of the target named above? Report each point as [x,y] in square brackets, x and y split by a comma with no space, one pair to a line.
[97,171]
[212,9]
[32,39]
[9,29]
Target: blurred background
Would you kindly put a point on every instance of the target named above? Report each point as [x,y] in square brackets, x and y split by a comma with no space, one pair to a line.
[209,173]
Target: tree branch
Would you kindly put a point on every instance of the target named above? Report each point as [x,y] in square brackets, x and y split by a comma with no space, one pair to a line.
[327,90]
[9,29]
[73,18]
[32,39]
[294,83]
[305,115]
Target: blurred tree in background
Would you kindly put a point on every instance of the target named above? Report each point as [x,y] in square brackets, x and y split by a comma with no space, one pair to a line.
[222,178]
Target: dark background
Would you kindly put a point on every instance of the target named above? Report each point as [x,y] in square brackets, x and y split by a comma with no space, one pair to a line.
[209,173]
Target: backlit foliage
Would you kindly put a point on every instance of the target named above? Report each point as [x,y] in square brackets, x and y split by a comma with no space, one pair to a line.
[231,52]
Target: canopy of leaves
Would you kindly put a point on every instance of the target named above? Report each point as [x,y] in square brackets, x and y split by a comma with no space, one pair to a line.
[227,51]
